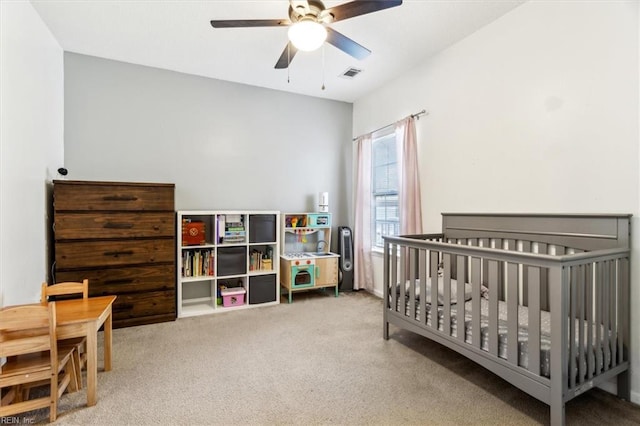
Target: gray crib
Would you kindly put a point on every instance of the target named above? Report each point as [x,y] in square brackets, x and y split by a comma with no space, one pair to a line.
[540,300]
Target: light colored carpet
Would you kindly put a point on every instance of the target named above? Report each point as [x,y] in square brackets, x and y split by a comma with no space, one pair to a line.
[320,360]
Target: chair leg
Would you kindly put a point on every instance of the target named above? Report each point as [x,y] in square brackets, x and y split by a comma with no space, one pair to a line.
[73,370]
[53,405]
[22,393]
[77,361]
[9,397]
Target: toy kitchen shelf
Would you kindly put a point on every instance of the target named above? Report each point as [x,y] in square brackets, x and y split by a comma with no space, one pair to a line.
[306,262]
[227,252]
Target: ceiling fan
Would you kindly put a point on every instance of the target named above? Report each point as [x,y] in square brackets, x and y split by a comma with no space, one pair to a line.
[308,26]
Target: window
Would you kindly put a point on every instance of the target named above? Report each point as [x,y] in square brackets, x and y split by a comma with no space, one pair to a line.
[385,217]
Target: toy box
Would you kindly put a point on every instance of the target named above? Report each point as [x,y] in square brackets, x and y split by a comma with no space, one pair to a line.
[232,296]
[193,233]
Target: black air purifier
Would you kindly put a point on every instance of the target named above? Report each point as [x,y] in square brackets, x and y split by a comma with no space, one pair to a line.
[345,266]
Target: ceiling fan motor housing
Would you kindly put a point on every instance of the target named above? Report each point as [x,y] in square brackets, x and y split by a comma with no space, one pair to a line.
[313,9]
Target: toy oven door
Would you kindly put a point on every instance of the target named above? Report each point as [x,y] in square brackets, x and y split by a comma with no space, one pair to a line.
[302,276]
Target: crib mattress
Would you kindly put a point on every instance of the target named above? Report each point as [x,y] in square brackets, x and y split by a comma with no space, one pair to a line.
[523,319]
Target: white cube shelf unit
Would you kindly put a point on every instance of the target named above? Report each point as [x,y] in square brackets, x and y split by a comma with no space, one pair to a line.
[227,249]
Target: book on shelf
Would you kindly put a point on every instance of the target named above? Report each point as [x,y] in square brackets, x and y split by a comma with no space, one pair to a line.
[234,230]
[198,263]
[260,261]
[231,229]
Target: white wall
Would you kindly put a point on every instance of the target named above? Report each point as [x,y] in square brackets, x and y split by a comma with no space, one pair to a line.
[536,112]
[31,147]
[224,145]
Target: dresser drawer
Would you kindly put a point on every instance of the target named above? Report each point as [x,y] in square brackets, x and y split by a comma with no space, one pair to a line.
[123,280]
[103,196]
[144,304]
[73,226]
[84,254]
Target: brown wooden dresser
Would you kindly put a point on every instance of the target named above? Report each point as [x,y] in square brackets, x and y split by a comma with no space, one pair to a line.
[120,236]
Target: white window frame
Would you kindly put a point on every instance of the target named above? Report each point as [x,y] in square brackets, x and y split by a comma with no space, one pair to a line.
[390,225]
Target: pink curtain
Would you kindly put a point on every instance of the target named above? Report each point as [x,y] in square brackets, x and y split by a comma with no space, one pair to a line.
[409,199]
[363,268]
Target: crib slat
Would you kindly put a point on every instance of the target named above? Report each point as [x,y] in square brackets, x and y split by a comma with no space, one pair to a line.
[581,319]
[422,277]
[598,323]
[434,256]
[558,283]
[413,253]
[493,307]
[460,306]
[613,283]
[623,314]
[589,271]
[512,313]
[510,245]
[544,248]
[572,326]
[393,281]
[484,242]
[446,281]
[475,302]
[619,317]
[534,319]
[524,291]
[403,279]
[606,349]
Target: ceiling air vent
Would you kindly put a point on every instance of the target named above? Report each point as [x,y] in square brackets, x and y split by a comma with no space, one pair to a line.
[350,73]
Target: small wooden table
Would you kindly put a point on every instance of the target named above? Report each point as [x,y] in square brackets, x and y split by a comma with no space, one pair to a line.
[83,318]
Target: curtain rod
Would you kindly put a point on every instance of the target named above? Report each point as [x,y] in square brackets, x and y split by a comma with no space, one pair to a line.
[415,115]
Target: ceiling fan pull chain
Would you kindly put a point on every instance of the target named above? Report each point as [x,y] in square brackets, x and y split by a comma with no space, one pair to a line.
[323,67]
[288,61]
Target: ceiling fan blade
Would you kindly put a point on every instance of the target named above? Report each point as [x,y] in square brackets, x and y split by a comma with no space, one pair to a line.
[360,7]
[347,45]
[244,23]
[287,56]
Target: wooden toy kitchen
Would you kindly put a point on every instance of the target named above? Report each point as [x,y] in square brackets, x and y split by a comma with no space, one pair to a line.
[306,262]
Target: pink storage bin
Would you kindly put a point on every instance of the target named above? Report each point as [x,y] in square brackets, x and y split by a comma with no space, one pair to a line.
[232,296]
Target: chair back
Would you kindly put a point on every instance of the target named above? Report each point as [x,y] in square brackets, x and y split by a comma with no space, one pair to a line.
[64,289]
[27,329]
[28,340]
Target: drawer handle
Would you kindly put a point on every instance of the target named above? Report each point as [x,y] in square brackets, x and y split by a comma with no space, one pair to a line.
[111,225]
[119,198]
[118,253]
[120,281]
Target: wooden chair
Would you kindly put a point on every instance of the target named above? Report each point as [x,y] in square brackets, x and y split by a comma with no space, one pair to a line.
[28,341]
[80,343]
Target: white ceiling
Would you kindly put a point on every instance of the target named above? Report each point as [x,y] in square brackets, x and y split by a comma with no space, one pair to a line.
[176,35]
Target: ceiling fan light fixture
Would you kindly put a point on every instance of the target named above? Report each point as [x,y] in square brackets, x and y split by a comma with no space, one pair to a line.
[307,34]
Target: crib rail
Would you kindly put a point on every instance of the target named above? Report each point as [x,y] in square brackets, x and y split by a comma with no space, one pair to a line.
[544,311]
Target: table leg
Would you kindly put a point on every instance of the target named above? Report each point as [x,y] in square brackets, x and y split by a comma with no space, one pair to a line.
[92,362]
[107,342]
